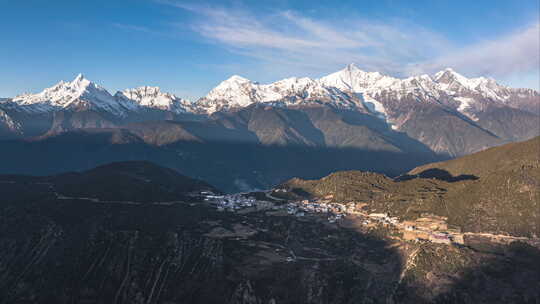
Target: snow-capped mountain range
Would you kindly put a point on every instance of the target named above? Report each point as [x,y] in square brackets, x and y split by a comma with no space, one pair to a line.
[408,105]
[82,93]
[238,92]
[352,88]
[349,88]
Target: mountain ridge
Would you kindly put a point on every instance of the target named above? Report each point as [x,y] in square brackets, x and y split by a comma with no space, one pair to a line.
[449,113]
[351,78]
[492,191]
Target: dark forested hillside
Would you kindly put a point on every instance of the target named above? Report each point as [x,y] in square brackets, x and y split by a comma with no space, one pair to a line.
[72,238]
[496,190]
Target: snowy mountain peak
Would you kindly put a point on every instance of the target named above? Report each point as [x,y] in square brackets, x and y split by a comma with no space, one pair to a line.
[232,83]
[153,97]
[81,84]
[237,79]
[449,74]
[80,93]
[453,81]
[143,91]
[79,77]
[352,78]
[354,68]
[351,67]
[236,91]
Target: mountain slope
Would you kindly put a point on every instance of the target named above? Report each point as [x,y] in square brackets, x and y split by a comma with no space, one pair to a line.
[224,151]
[8,126]
[492,191]
[506,158]
[136,181]
[441,129]
[466,111]
[127,182]
[506,196]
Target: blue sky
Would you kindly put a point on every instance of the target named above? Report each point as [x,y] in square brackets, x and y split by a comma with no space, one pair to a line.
[188,47]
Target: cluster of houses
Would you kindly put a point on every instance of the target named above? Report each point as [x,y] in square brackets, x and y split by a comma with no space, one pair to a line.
[383,218]
[236,202]
[428,227]
[242,202]
[231,202]
[334,211]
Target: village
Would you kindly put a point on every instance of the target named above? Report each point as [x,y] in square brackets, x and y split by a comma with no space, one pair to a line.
[427,228]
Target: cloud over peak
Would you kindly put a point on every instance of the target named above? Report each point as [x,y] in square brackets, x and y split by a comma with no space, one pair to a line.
[511,53]
[288,41]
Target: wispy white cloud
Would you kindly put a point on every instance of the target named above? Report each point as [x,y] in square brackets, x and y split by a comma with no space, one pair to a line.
[289,38]
[518,52]
[289,42]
